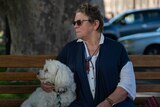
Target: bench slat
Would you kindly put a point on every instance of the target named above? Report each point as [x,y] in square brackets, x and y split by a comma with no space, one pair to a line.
[14,102]
[148,87]
[10,102]
[32,75]
[30,88]
[140,100]
[147,75]
[17,89]
[28,61]
[145,60]
[23,61]
[17,101]
[25,76]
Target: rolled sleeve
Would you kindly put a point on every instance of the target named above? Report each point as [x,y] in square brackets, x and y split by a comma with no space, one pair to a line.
[127,80]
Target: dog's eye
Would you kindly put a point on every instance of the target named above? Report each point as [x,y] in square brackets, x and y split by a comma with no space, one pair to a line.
[46,70]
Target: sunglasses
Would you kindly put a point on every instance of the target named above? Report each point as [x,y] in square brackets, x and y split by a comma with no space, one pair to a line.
[79,22]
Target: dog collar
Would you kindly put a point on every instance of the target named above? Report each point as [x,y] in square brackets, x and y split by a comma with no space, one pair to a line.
[61,91]
[59,100]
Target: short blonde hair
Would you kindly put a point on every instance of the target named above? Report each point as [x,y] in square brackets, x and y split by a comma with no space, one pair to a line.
[93,12]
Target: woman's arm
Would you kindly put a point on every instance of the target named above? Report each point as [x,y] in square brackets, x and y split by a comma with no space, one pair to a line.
[117,96]
[125,88]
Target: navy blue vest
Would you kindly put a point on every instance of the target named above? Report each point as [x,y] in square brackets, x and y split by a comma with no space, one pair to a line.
[112,57]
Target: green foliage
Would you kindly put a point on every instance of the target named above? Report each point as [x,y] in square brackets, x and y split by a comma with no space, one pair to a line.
[3,69]
[14,95]
[19,83]
[2,49]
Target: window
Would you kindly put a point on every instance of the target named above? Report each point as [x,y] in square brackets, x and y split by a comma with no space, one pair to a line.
[153,15]
[134,18]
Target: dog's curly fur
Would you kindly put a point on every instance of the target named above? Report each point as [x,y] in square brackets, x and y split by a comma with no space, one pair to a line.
[61,76]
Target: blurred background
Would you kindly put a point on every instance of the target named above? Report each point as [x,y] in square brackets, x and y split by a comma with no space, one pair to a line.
[33,27]
[119,6]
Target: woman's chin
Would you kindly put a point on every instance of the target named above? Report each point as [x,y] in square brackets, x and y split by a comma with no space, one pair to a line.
[79,37]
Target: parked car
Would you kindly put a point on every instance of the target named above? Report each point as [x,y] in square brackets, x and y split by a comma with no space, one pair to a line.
[142,43]
[131,22]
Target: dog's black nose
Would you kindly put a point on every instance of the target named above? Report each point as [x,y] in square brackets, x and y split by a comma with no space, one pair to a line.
[37,73]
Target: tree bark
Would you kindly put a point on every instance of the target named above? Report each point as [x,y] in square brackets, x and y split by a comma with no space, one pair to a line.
[41,26]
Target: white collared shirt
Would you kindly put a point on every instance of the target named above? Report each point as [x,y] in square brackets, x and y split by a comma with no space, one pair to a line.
[127,77]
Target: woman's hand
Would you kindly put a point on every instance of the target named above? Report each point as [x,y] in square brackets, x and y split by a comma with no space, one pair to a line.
[104,103]
[47,87]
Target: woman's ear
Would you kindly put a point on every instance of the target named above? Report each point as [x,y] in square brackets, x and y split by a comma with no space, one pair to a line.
[96,24]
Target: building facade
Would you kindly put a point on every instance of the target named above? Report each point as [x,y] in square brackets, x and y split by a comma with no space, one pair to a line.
[118,6]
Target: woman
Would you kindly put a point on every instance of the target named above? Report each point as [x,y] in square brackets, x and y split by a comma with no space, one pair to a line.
[103,72]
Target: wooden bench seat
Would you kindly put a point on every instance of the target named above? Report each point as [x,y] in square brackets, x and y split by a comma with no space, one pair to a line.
[23,83]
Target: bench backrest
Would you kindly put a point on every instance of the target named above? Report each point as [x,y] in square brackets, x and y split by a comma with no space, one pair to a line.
[27,81]
[146,68]
[147,73]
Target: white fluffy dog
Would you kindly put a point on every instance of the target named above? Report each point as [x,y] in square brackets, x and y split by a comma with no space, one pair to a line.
[61,76]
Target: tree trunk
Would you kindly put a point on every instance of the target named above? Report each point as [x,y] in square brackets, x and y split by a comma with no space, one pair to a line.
[41,26]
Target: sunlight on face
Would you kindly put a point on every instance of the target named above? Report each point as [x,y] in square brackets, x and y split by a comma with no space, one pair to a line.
[85,28]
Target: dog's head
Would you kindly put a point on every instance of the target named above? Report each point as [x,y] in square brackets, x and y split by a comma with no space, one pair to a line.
[49,71]
[56,73]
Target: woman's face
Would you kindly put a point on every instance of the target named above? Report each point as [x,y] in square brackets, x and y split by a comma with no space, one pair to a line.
[82,26]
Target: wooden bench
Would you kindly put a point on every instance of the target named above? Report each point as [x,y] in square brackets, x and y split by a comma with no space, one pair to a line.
[20,83]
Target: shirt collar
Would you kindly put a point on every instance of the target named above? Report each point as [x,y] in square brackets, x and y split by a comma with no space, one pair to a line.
[100,42]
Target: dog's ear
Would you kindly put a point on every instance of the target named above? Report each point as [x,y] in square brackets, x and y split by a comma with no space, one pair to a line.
[47,61]
[63,77]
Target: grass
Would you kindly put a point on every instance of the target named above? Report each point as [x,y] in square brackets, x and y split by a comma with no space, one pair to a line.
[14,95]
